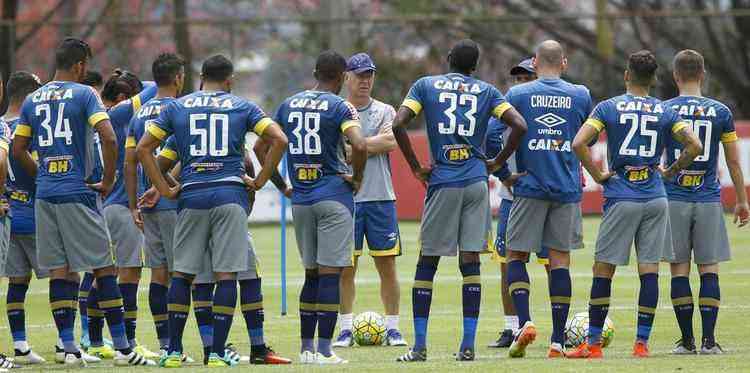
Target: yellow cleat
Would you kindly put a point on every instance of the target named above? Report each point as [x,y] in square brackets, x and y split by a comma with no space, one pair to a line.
[171,361]
[102,352]
[143,351]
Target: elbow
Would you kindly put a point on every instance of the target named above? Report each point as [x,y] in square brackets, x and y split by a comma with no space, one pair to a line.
[280,142]
[521,126]
[695,150]
[360,147]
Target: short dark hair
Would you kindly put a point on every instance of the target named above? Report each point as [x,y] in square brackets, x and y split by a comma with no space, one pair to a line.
[121,82]
[642,66]
[464,56]
[93,79]
[329,66]
[21,84]
[165,68]
[70,52]
[688,65]
[217,68]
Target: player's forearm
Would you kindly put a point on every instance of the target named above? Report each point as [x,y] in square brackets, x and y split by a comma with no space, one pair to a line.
[515,121]
[131,178]
[404,143]
[381,144]
[21,153]
[735,172]
[584,155]
[691,148]
[278,181]
[145,154]
[3,170]
[109,155]
[271,160]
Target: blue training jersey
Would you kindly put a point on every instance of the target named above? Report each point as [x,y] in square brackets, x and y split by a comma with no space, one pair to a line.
[120,116]
[20,190]
[713,123]
[59,118]
[637,130]
[314,122]
[554,111]
[456,109]
[137,128]
[494,142]
[209,129]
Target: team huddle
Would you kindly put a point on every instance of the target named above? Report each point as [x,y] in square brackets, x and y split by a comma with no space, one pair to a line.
[97,173]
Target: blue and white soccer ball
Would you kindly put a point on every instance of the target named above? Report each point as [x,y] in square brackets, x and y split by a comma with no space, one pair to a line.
[369,329]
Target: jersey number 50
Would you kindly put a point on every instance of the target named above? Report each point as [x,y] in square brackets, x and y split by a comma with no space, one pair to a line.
[218,126]
[453,101]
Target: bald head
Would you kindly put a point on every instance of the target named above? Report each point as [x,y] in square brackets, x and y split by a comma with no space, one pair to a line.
[549,54]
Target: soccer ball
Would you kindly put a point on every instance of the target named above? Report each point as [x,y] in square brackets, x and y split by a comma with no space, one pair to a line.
[369,329]
[577,329]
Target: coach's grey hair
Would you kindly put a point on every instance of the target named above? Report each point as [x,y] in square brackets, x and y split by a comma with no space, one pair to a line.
[549,53]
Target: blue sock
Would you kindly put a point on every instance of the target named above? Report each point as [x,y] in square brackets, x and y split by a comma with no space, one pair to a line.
[83,301]
[225,302]
[73,291]
[421,299]
[110,301]
[519,288]
[203,295]
[647,302]
[60,301]
[95,319]
[15,301]
[251,302]
[472,300]
[328,310]
[682,302]
[157,302]
[601,288]
[308,303]
[709,299]
[560,291]
[130,303]
[177,309]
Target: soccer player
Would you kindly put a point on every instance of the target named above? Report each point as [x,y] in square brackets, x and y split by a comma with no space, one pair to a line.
[21,257]
[209,128]
[59,119]
[546,198]
[695,210]
[317,121]
[127,239]
[457,108]
[375,204]
[635,208]
[521,73]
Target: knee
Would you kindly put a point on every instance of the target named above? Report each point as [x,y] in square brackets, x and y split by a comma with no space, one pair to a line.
[225,276]
[469,257]
[187,276]
[19,280]
[430,261]
[517,255]
[106,271]
[311,273]
[559,259]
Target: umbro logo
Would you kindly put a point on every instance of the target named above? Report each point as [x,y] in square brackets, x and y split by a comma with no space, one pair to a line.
[550,120]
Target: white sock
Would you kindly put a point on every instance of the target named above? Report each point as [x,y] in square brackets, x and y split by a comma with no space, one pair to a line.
[391,322]
[511,322]
[22,346]
[345,321]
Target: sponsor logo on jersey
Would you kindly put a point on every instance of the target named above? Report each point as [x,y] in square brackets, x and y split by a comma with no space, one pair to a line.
[456,153]
[691,178]
[638,174]
[308,173]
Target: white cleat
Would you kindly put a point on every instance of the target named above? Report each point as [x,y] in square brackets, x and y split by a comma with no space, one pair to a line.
[330,360]
[345,339]
[28,357]
[307,357]
[393,337]
[72,360]
[90,358]
[132,359]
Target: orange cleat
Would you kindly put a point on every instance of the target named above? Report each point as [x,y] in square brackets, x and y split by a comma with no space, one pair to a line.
[269,357]
[555,351]
[586,351]
[640,349]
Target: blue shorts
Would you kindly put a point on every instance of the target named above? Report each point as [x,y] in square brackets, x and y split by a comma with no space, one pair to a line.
[542,257]
[376,221]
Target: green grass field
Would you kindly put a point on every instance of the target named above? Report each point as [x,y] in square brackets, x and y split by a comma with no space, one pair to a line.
[282,332]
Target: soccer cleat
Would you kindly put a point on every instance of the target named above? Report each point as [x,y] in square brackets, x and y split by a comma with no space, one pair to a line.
[75,360]
[7,363]
[102,352]
[230,352]
[586,351]
[186,359]
[89,358]
[216,361]
[145,352]
[412,356]
[28,357]
[132,359]
[307,357]
[465,355]
[345,339]
[321,359]
[640,349]
[555,351]
[710,348]
[504,341]
[269,357]
[59,355]
[393,337]
[525,336]
[173,360]
[684,347]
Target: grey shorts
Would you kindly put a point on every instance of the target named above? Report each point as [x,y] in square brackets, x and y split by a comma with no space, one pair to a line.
[698,229]
[127,239]
[536,223]
[22,257]
[325,234]
[646,223]
[4,242]
[456,219]
[220,231]
[252,272]
[158,234]
[71,234]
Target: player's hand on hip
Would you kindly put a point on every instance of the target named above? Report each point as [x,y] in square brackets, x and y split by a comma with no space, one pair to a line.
[4,207]
[422,174]
[103,188]
[492,166]
[741,214]
[353,183]
[251,184]
[511,180]
[602,177]
[666,173]
[288,192]
[149,199]
[174,192]
[137,218]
